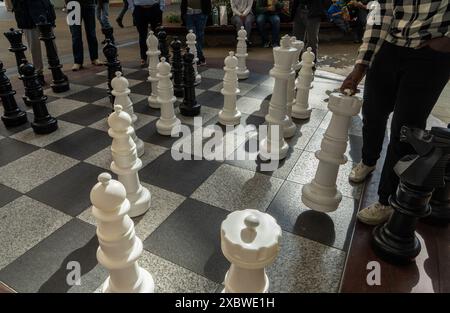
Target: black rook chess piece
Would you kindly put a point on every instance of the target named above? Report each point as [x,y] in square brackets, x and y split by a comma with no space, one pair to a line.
[60,82]
[113,64]
[177,68]
[162,44]
[189,107]
[17,47]
[34,94]
[12,115]
[419,174]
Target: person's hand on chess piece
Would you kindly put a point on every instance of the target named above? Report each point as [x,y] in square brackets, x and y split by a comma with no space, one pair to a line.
[354,78]
[441,44]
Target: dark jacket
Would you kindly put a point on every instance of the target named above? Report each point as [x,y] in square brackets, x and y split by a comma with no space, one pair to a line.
[27,12]
[206,7]
[83,2]
[316,8]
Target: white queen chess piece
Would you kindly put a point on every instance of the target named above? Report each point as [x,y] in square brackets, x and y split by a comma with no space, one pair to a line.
[250,240]
[191,42]
[119,248]
[299,45]
[126,163]
[300,109]
[241,54]
[230,115]
[121,92]
[153,59]
[321,194]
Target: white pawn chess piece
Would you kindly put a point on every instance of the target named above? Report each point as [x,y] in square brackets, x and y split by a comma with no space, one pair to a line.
[153,59]
[289,128]
[119,248]
[168,121]
[274,147]
[321,194]
[126,163]
[300,109]
[230,115]
[250,240]
[191,42]
[241,54]
[121,92]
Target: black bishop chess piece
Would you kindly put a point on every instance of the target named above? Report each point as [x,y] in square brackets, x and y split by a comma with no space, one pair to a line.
[177,68]
[419,174]
[60,81]
[109,34]
[17,47]
[113,64]
[189,106]
[43,122]
[162,44]
[12,115]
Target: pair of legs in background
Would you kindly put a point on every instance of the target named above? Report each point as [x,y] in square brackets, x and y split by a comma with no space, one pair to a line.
[246,21]
[145,16]
[274,21]
[197,22]
[122,13]
[306,28]
[34,44]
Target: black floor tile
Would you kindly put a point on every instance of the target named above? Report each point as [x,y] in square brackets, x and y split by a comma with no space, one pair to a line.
[86,115]
[143,108]
[92,80]
[254,78]
[260,92]
[207,83]
[149,133]
[7,195]
[11,150]
[143,88]
[89,95]
[139,75]
[211,99]
[13,130]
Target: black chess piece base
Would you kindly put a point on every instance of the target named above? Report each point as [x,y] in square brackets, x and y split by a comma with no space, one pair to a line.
[45,126]
[190,111]
[15,119]
[60,86]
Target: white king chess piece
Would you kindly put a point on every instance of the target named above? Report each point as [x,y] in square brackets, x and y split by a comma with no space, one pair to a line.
[168,121]
[121,92]
[250,240]
[153,59]
[321,194]
[241,54]
[119,248]
[126,163]
[191,42]
[230,115]
[301,109]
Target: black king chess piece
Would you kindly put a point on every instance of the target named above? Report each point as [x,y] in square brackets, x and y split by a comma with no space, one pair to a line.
[177,68]
[419,174]
[162,44]
[189,107]
[17,47]
[12,115]
[113,64]
[60,82]
[43,122]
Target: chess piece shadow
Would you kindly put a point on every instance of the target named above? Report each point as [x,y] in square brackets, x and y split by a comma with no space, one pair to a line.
[309,222]
[217,265]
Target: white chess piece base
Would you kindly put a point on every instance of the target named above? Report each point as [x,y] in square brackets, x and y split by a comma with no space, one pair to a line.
[146,284]
[249,280]
[226,118]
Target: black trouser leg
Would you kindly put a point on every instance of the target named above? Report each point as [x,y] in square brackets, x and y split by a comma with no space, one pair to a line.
[142,20]
[123,11]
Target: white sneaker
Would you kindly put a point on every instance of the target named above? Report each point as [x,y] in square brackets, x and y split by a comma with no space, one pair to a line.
[77,67]
[375,214]
[360,172]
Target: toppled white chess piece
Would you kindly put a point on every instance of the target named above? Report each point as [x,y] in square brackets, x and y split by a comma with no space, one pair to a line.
[241,54]
[153,59]
[191,42]
[230,115]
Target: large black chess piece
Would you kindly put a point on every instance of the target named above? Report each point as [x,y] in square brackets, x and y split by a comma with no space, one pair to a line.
[60,82]
[177,68]
[43,122]
[109,34]
[12,115]
[162,44]
[113,64]
[189,107]
[17,47]
[419,174]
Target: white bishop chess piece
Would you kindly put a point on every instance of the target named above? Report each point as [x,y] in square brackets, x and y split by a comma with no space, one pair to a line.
[168,121]
[241,54]
[119,248]
[250,240]
[230,115]
[191,42]
[301,109]
[321,193]
[126,163]
[153,59]
[121,92]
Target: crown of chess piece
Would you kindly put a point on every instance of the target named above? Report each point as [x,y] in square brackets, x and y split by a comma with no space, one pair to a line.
[121,92]
[250,240]
[12,114]
[162,45]
[119,248]
[419,174]
[241,54]
[43,122]
[191,42]
[229,114]
[113,64]
[177,68]
[153,60]
[17,47]
[300,109]
[189,106]
[60,81]
[109,34]
[289,128]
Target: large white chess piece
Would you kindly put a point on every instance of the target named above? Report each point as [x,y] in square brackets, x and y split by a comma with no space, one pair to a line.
[126,163]
[153,59]
[168,121]
[119,248]
[230,115]
[250,240]
[321,194]
[241,54]
[301,109]
[274,147]
[191,42]
[121,92]
[299,45]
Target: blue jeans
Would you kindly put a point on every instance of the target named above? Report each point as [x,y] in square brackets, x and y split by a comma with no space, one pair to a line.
[103,15]
[197,22]
[274,21]
[88,18]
